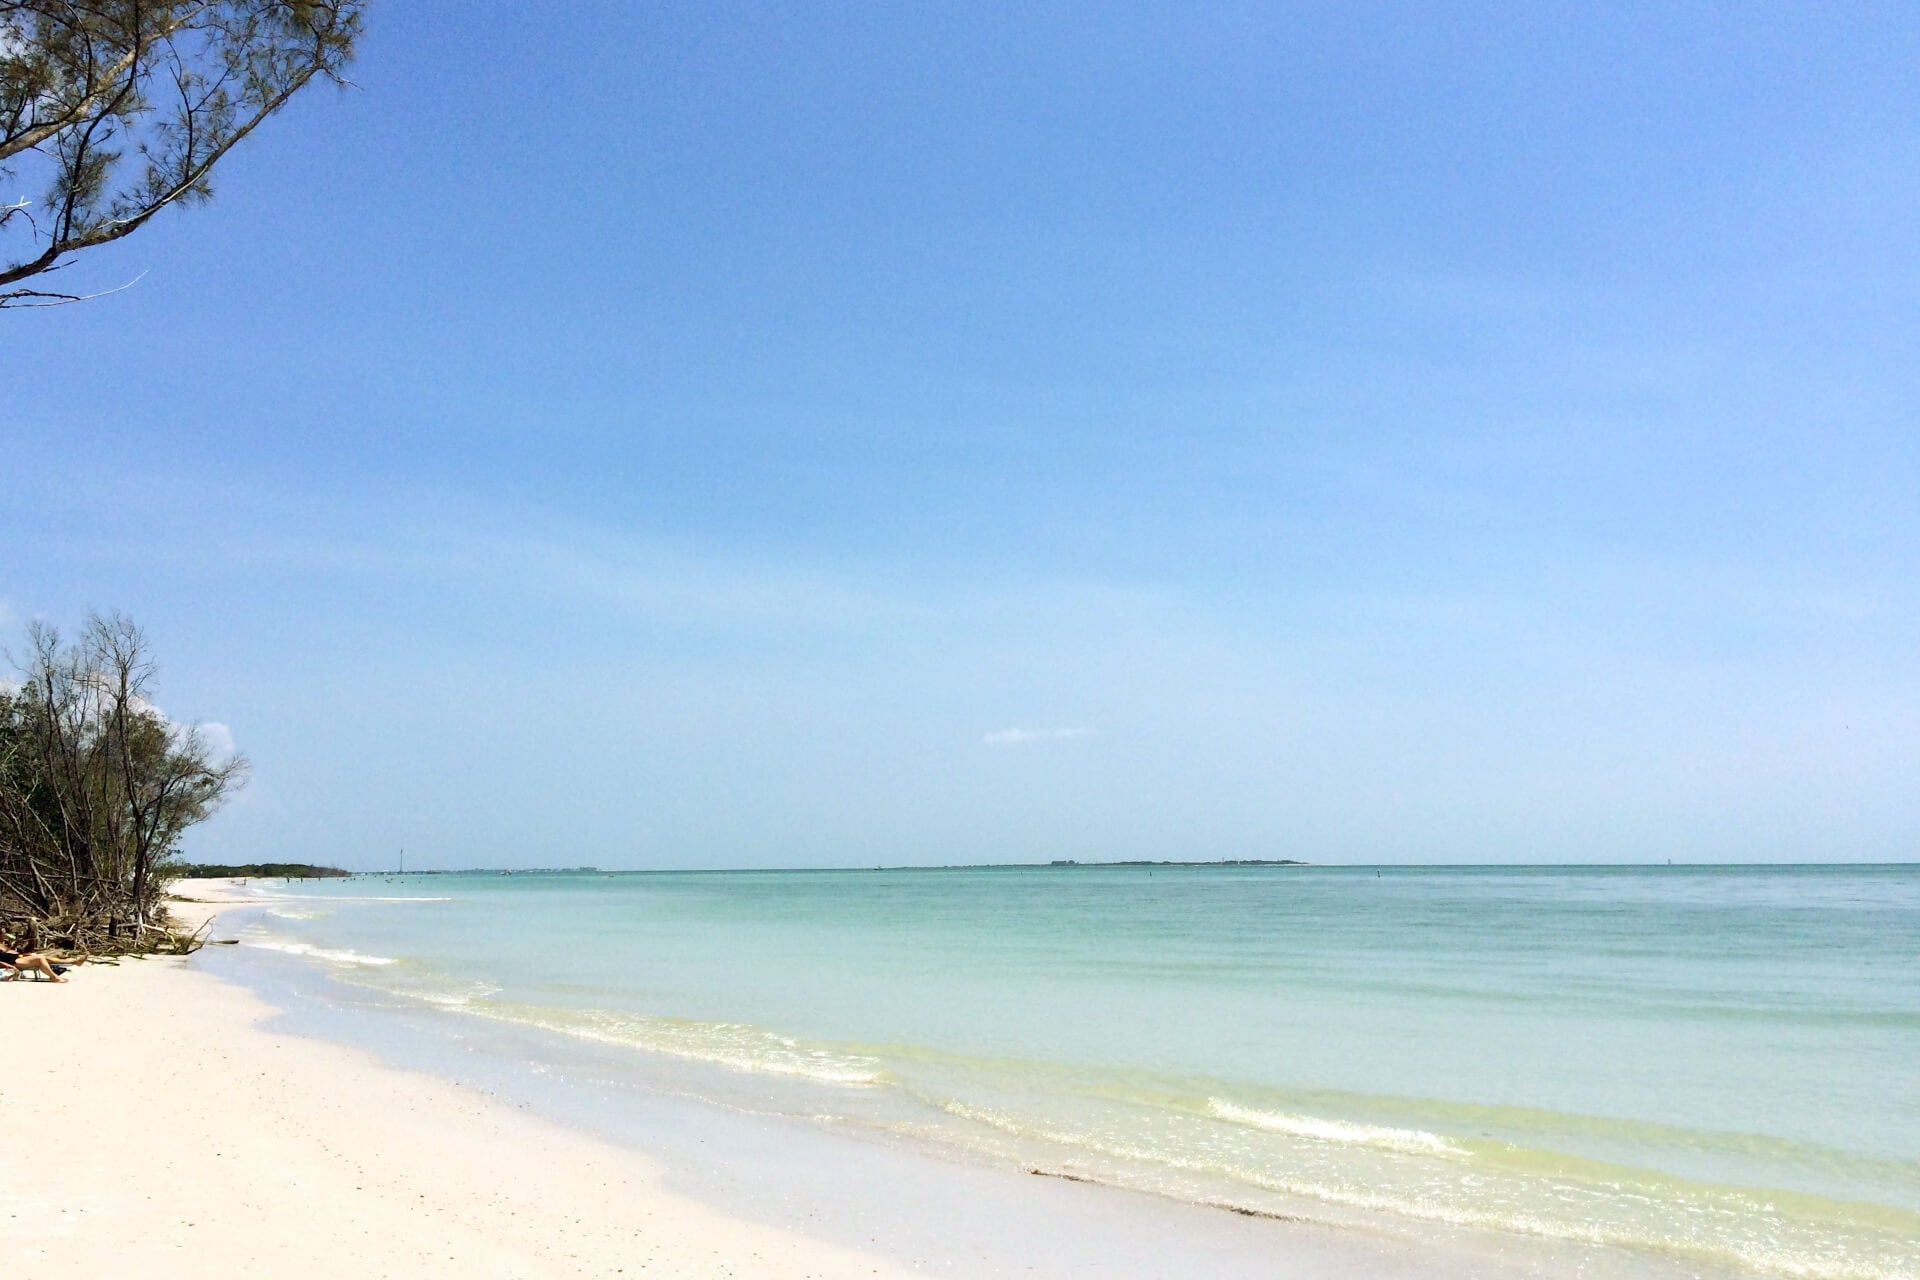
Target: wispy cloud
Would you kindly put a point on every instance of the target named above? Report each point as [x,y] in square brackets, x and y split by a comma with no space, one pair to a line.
[1024,737]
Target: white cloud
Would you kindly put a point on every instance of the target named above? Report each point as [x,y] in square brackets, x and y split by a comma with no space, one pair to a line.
[218,737]
[215,737]
[1021,737]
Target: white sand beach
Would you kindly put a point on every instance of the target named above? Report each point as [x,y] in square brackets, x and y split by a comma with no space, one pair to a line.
[181,1138]
[219,1149]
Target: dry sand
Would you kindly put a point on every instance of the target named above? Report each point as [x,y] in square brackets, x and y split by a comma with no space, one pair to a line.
[178,1136]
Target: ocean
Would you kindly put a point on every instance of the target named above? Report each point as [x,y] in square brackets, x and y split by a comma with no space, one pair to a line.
[1702,1071]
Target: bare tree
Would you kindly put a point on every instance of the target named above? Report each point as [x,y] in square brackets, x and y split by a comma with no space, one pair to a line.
[125,106]
[96,788]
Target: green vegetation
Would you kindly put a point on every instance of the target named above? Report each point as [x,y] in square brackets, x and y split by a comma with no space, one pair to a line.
[265,870]
[97,786]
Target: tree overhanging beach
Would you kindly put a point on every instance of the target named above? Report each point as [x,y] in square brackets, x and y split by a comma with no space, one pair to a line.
[123,109]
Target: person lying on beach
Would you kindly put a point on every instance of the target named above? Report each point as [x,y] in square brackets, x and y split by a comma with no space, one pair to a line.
[19,962]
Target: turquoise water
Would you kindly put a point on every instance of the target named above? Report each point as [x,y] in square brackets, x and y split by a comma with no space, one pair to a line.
[1711,1069]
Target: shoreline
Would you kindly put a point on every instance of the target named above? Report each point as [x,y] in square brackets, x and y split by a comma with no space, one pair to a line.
[216,1142]
[193,1139]
[278,1130]
[921,1212]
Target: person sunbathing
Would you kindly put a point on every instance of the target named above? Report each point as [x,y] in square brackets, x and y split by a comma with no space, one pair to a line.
[19,962]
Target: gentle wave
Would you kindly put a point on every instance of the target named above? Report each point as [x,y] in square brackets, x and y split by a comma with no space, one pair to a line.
[332,956]
[1541,1128]
[1728,1225]
[1520,1137]
[456,999]
[1409,1141]
[737,1046]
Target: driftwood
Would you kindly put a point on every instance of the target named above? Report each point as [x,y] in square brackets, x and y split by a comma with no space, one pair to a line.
[72,939]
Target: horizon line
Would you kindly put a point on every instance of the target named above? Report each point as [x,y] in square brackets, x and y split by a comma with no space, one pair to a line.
[1074,864]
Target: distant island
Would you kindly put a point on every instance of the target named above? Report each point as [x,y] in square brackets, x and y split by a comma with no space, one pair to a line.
[1169,862]
[1122,862]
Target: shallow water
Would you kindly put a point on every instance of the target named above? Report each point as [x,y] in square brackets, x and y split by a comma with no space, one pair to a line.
[1713,1070]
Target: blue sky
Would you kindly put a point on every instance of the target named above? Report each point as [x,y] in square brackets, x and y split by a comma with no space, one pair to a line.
[732,435]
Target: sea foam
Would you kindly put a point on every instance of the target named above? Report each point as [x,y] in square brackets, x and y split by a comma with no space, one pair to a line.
[330,955]
[735,1046]
[1408,1141]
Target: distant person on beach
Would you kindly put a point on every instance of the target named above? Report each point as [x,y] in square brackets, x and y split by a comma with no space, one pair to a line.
[19,962]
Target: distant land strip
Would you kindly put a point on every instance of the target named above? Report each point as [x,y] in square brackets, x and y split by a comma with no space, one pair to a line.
[1170,862]
[265,870]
